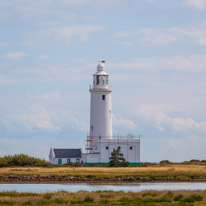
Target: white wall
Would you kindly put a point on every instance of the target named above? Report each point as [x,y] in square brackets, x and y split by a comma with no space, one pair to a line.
[91,158]
[132,156]
[64,160]
[100,114]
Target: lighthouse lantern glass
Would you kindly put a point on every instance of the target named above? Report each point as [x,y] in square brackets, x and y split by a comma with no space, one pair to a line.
[105,80]
[97,80]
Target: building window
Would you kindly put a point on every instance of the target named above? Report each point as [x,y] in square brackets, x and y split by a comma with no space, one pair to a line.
[97,80]
[68,161]
[78,160]
[119,148]
[105,80]
[131,148]
[107,148]
[92,127]
[59,161]
[103,97]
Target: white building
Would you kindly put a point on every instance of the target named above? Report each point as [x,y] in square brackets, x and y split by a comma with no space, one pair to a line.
[61,156]
[100,142]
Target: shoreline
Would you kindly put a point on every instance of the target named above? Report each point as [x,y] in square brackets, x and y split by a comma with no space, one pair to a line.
[46,179]
[171,173]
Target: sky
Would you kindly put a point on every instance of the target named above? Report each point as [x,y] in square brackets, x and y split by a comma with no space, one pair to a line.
[155,52]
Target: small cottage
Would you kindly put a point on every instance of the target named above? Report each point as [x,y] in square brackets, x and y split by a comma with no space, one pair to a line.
[65,156]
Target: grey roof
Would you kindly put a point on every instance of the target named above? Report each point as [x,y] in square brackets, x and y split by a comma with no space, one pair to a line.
[67,153]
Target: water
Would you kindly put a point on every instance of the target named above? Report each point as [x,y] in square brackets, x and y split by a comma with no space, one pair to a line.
[126,187]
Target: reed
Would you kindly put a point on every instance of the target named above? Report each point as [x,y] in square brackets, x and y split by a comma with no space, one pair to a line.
[189,170]
[105,198]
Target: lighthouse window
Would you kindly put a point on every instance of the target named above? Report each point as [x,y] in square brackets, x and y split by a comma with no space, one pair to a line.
[97,80]
[119,148]
[103,97]
[131,148]
[107,148]
[105,80]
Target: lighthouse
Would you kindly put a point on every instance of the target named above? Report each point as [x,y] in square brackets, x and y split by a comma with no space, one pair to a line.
[100,109]
[100,142]
[100,105]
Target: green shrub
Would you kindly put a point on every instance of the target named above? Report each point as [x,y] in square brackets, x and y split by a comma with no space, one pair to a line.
[165,162]
[178,197]
[197,197]
[117,159]
[22,160]
[192,198]
[88,199]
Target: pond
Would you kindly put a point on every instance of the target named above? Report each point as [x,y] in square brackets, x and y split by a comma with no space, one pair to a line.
[126,187]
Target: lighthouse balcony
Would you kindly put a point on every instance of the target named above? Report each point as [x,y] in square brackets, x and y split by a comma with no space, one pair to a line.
[117,137]
[100,87]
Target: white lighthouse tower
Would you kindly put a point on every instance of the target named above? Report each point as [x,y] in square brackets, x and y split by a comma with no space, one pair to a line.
[101,142]
[100,105]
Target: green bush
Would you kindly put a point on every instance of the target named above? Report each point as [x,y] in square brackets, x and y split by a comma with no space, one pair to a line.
[192,198]
[21,160]
[88,199]
[178,197]
[117,159]
[165,162]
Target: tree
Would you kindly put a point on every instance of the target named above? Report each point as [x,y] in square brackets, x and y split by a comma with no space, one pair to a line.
[117,159]
[22,160]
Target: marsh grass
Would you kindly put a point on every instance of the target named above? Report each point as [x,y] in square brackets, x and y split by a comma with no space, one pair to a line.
[105,198]
[185,171]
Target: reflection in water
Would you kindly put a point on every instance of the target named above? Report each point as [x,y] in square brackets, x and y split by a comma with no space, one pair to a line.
[126,187]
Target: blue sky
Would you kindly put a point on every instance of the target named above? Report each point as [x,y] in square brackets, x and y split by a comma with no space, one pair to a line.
[155,52]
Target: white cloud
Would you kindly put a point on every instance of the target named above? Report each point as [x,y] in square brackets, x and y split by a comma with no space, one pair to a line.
[65,33]
[36,147]
[198,4]
[162,120]
[37,118]
[164,36]
[14,56]
[193,63]
[125,123]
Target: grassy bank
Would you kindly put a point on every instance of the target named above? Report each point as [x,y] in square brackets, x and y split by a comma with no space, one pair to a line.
[106,171]
[105,198]
[155,173]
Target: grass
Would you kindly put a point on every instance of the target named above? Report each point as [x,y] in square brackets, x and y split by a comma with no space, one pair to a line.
[171,171]
[105,198]
[154,172]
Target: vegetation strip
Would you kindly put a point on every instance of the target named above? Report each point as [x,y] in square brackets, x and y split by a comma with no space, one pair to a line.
[64,178]
[105,198]
[157,173]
